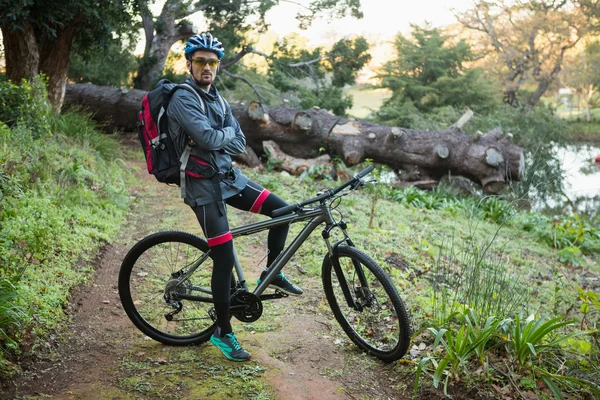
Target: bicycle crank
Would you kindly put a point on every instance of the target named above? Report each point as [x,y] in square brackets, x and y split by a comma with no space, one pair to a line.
[246,306]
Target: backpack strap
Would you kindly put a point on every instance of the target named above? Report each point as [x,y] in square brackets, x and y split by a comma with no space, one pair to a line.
[191,89]
[185,157]
[202,105]
[222,102]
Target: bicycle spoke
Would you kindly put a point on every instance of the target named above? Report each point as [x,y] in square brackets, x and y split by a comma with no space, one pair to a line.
[374,318]
[153,283]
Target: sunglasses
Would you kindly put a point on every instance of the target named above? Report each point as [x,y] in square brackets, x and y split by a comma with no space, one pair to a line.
[201,62]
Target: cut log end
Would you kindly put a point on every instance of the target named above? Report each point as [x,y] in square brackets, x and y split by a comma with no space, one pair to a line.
[442,151]
[396,132]
[256,112]
[493,157]
[302,121]
[352,153]
[351,127]
[493,184]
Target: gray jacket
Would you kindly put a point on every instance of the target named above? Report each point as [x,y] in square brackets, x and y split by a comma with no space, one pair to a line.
[216,135]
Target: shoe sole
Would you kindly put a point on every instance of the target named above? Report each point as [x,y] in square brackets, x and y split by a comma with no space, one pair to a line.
[285,291]
[227,356]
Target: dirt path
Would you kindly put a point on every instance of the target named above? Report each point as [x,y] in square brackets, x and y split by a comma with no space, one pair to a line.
[298,351]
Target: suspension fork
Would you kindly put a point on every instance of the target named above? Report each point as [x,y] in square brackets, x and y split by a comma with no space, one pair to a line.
[338,268]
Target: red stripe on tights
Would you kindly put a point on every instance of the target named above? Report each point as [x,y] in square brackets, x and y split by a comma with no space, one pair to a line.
[224,238]
[259,201]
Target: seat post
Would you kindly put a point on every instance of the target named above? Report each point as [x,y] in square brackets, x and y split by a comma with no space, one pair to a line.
[238,269]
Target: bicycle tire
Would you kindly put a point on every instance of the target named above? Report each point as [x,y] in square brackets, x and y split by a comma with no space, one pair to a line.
[145,281]
[382,327]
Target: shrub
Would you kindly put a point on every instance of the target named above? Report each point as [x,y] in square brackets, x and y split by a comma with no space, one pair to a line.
[62,192]
[25,104]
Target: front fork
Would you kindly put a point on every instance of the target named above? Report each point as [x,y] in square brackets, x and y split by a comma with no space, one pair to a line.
[326,234]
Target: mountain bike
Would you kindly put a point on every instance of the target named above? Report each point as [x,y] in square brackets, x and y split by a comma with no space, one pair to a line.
[164,281]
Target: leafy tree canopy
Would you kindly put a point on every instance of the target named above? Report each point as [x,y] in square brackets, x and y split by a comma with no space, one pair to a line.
[96,21]
[430,72]
[111,64]
[318,76]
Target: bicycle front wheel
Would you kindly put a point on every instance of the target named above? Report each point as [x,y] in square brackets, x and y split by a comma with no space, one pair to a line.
[366,304]
[152,276]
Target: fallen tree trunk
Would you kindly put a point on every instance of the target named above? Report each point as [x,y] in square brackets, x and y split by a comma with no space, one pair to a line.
[488,159]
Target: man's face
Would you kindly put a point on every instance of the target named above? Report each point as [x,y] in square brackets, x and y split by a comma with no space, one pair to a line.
[204,67]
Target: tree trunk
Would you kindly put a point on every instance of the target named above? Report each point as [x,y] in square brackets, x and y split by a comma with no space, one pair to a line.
[588,100]
[54,62]
[21,53]
[159,43]
[535,97]
[489,159]
[27,55]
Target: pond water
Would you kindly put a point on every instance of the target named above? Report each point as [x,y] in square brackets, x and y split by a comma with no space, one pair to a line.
[582,179]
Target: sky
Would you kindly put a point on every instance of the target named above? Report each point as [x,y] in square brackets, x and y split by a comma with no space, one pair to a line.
[382,18]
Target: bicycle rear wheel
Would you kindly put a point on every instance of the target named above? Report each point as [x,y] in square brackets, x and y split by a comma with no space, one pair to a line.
[370,312]
[151,277]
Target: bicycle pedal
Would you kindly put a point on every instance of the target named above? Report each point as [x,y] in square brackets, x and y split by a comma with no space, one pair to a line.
[280,293]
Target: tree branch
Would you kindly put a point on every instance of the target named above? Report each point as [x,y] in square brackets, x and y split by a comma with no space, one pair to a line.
[183,31]
[148,24]
[246,50]
[247,81]
[305,63]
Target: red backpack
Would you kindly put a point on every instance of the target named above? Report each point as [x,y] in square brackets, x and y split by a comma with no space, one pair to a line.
[152,123]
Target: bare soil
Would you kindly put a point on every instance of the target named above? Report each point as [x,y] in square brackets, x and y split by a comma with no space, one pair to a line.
[298,350]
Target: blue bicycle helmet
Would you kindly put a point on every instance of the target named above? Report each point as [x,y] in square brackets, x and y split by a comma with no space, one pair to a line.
[204,41]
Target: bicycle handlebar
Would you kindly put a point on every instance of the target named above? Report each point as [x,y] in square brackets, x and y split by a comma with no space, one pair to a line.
[325,195]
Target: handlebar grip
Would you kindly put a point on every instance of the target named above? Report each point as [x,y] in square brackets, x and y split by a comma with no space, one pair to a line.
[284,210]
[365,171]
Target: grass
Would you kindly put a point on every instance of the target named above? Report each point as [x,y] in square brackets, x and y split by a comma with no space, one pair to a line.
[580,131]
[365,100]
[491,257]
[62,196]
[172,372]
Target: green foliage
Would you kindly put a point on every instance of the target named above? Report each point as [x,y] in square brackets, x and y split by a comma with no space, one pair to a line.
[590,306]
[317,77]
[528,338]
[467,336]
[109,64]
[471,275]
[25,105]
[562,232]
[337,9]
[346,58]
[95,20]
[12,315]
[459,346]
[429,73]
[570,256]
[62,192]
[496,210]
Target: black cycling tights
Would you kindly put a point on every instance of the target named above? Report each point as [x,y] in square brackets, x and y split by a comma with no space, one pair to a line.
[252,198]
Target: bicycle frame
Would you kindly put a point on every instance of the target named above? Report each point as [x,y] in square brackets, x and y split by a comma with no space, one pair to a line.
[286,216]
[316,217]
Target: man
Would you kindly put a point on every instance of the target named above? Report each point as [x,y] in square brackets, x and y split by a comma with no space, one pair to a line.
[215,136]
